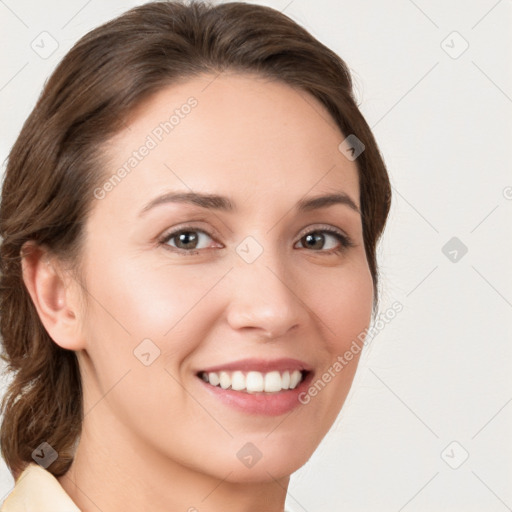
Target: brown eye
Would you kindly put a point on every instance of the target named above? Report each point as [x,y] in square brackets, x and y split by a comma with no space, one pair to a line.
[185,240]
[317,240]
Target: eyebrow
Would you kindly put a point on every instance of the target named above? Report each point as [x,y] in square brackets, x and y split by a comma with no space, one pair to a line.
[222,203]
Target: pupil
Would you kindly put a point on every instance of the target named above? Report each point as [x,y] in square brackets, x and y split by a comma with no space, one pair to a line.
[314,238]
[186,237]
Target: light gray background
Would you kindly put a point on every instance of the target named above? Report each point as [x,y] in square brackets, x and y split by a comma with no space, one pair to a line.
[439,372]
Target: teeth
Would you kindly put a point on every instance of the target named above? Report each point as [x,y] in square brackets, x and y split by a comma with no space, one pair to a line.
[213,379]
[237,381]
[285,380]
[225,380]
[254,382]
[294,379]
[273,382]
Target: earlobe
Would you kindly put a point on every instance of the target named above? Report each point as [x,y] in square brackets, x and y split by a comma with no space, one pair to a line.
[50,290]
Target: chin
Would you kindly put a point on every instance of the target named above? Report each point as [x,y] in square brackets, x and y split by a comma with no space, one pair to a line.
[262,471]
[264,460]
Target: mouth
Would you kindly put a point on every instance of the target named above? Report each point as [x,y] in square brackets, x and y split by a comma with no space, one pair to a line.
[254,381]
[256,386]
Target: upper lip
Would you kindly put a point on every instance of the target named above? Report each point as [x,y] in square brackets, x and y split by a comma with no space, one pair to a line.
[260,365]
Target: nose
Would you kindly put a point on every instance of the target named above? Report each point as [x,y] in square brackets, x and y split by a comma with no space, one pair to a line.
[264,298]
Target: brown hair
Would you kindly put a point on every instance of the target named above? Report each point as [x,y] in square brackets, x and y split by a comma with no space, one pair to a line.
[52,172]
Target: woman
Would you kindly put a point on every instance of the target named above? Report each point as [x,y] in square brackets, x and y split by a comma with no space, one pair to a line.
[189,218]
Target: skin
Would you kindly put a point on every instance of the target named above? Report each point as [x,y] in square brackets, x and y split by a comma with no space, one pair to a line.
[265,146]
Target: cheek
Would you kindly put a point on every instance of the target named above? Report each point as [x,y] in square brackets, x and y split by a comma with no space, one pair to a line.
[135,301]
[343,307]
[343,302]
[142,323]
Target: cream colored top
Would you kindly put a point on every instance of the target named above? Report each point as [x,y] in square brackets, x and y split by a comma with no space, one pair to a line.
[37,490]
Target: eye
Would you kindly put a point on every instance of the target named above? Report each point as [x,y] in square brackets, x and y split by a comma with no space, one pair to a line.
[316,239]
[187,240]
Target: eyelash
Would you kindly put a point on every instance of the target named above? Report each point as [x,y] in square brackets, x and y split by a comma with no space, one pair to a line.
[345,242]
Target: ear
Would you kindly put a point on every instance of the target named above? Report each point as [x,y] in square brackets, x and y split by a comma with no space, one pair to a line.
[54,294]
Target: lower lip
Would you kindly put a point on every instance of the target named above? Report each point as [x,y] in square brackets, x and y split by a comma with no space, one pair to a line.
[263,404]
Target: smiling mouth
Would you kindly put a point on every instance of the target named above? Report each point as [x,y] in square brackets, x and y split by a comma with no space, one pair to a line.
[255,382]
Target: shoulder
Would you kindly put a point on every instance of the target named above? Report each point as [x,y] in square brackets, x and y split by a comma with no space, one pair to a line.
[37,490]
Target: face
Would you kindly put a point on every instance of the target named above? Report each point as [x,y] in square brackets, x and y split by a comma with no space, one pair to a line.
[182,291]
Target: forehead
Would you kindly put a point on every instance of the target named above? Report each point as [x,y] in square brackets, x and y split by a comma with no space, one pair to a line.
[244,136]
